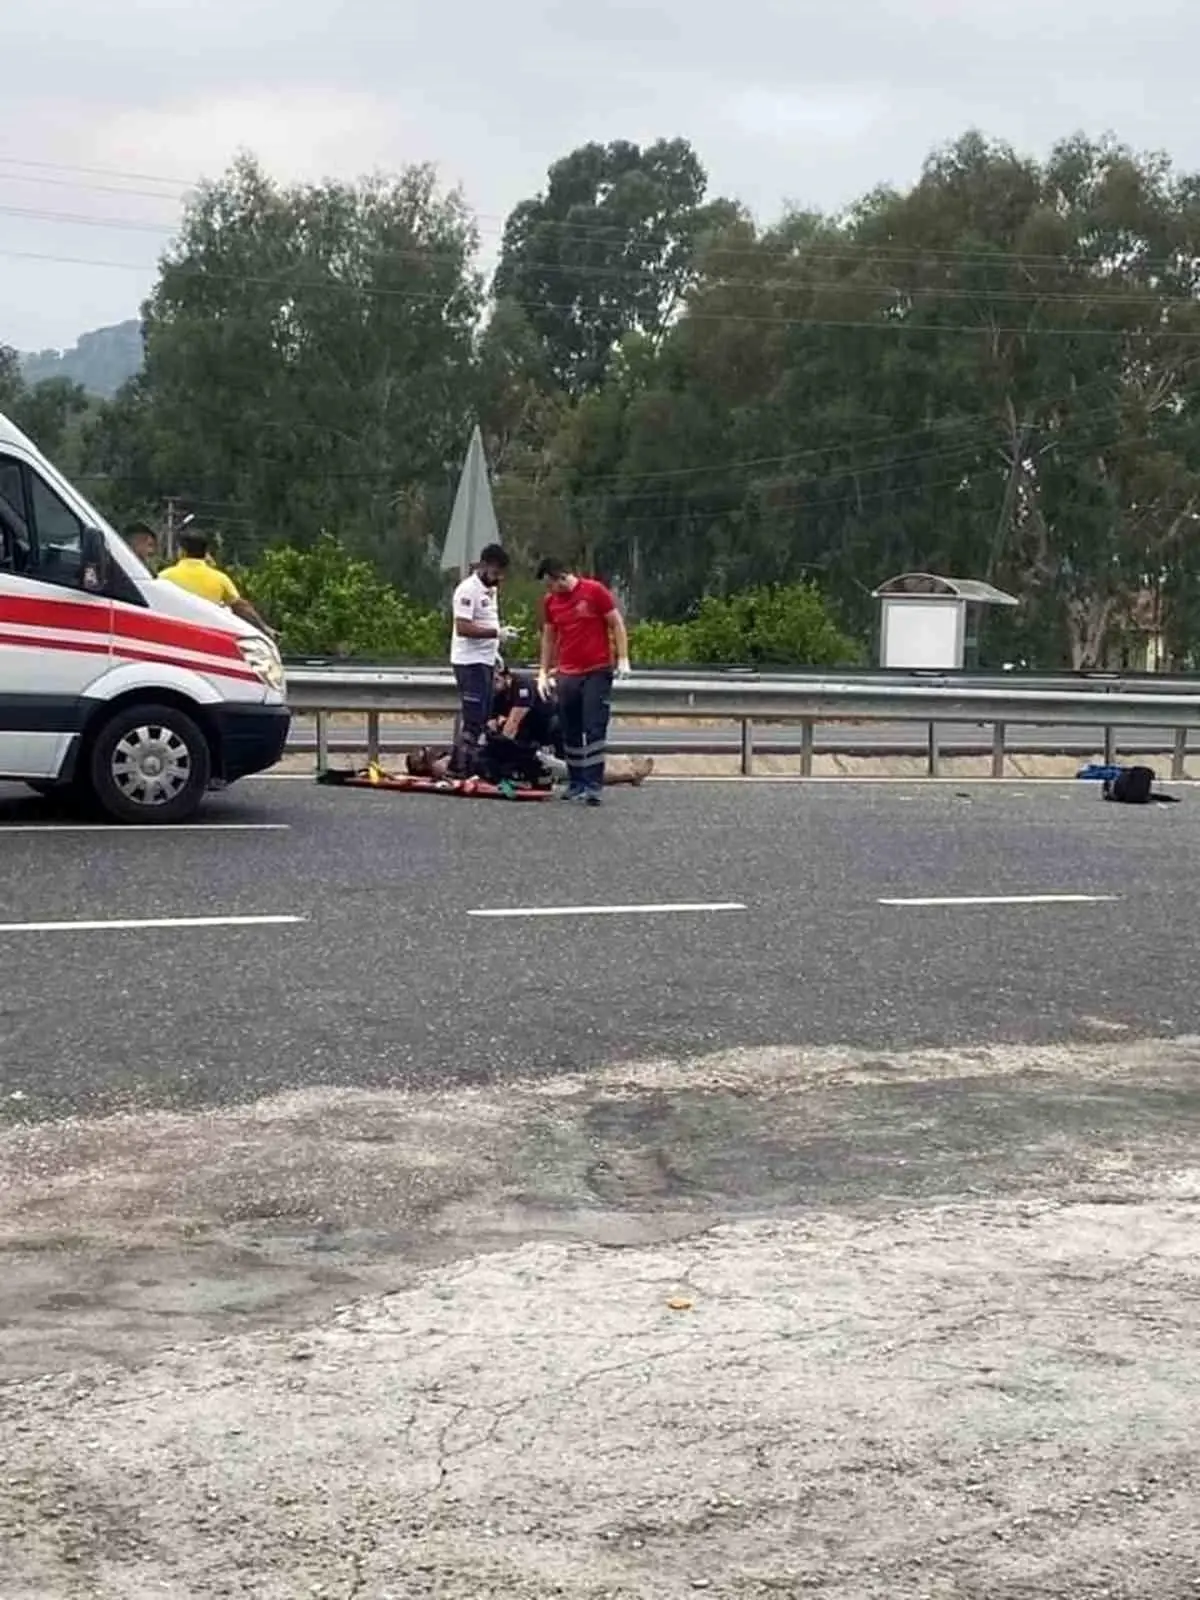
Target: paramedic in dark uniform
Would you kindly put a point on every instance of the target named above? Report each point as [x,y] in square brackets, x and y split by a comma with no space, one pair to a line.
[474,647]
[531,720]
[521,713]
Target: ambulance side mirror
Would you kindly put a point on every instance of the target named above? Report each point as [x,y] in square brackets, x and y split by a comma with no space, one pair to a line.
[93,561]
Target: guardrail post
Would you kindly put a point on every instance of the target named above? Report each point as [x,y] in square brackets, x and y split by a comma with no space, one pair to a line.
[747,748]
[934,764]
[806,748]
[1179,755]
[1110,747]
[372,736]
[322,740]
[998,732]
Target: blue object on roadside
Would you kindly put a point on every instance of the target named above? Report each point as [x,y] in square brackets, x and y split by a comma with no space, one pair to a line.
[1099,772]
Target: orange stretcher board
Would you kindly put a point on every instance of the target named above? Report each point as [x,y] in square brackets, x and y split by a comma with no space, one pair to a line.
[463,788]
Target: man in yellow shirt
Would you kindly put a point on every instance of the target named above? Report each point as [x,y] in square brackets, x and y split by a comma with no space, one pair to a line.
[196,572]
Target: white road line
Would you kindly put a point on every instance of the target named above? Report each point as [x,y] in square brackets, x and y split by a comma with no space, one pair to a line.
[115,830]
[610,911]
[123,923]
[782,779]
[1003,900]
[882,780]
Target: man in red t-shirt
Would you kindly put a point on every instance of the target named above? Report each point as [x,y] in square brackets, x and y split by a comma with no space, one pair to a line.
[583,641]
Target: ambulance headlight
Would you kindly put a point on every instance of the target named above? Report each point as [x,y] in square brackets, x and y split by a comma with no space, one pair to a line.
[261,656]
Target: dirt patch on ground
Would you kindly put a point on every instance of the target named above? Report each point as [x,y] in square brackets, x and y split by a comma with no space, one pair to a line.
[772,1323]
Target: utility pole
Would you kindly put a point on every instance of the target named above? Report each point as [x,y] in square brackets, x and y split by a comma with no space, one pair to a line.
[465,565]
[1009,502]
[175,526]
[169,532]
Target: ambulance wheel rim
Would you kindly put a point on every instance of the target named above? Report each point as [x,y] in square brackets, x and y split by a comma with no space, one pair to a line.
[151,765]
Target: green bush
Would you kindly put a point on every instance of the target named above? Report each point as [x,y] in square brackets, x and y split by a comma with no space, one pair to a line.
[661,644]
[519,613]
[324,601]
[782,627]
[774,626]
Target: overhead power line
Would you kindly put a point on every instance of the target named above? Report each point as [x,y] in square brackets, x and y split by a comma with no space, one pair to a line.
[1105,292]
[618,486]
[287,286]
[1085,430]
[11,167]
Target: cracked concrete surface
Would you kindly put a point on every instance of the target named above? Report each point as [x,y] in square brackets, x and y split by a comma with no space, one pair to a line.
[935,1338]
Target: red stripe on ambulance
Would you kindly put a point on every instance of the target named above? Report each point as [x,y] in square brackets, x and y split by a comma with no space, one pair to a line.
[128,622]
[101,647]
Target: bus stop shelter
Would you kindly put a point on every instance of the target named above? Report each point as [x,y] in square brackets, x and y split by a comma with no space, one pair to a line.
[931,623]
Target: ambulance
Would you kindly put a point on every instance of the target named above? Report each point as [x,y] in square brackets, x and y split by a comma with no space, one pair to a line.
[118,689]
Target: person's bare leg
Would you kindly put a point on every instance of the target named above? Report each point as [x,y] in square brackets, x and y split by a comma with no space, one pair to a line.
[621,771]
[628,771]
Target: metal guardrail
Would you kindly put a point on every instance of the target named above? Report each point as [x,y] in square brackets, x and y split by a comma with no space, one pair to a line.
[1150,682]
[747,700]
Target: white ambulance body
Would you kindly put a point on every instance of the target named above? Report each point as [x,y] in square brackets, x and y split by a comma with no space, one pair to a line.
[116,685]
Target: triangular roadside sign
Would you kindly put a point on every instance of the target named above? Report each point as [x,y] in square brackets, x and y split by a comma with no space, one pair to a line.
[473,520]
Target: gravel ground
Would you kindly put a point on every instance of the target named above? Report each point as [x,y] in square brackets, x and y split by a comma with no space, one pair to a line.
[863,1326]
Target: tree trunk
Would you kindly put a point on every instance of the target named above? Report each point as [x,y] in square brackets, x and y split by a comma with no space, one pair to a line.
[1088,620]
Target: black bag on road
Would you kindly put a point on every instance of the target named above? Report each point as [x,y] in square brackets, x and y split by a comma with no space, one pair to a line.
[1134,786]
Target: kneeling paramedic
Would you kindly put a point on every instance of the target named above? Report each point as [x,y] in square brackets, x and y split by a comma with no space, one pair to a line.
[531,717]
[521,713]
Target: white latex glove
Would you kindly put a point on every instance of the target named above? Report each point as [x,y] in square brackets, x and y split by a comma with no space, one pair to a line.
[543,685]
[624,670]
[506,635]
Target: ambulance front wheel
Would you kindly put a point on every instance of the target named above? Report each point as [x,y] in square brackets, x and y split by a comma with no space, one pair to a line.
[150,763]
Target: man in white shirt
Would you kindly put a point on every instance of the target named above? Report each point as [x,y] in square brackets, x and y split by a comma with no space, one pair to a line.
[474,647]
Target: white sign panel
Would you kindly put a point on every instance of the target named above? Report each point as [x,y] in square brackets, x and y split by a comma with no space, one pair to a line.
[921,633]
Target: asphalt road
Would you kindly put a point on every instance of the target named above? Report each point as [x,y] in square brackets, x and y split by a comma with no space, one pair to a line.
[883,738]
[387,981]
[641,1306]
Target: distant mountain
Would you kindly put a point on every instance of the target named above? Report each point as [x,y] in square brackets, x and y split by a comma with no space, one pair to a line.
[101,361]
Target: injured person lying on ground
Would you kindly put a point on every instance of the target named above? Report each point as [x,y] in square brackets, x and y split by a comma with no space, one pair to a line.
[503,760]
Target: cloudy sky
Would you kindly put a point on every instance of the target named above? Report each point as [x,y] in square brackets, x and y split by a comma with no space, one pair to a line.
[111,107]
